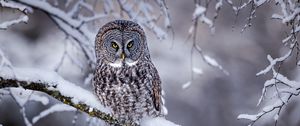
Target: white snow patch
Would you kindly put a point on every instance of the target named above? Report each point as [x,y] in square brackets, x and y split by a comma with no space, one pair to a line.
[4,92]
[12,4]
[259,2]
[197,70]
[246,116]
[214,63]
[6,24]
[199,12]
[43,99]
[20,95]
[273,62]
[219,5]
[56,83]
[158,121]
[52,109]
[186,85]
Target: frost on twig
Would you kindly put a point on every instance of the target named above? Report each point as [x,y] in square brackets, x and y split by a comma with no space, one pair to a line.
[283,88]
[13,5]
[52,109]
[200,15]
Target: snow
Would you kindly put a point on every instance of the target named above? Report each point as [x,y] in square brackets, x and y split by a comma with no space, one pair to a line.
[200,13]
[277,16]
[292,16]
[186,85]
[273,62]
[52,109]
[282,94]
[11,4]
[214,63]
[52,10]
[158,121]
[210,60]
[55,83]
[286,39]
[20,95]
[259,2]
[148,20]
[42,99]
[4,92]
[6,24]
[219,4]
[246,116]
[197,70]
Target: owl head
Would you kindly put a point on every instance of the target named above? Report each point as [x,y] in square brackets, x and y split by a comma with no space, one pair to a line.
[121,42]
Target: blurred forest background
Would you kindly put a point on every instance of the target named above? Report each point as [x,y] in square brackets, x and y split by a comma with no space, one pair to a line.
[212,99]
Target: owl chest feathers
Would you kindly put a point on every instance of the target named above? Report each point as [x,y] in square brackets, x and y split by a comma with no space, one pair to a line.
[128,90]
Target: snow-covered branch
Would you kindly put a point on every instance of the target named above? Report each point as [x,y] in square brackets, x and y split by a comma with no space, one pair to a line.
[21,18]
[283,88]
[75,28]
[68,93]
[58,88]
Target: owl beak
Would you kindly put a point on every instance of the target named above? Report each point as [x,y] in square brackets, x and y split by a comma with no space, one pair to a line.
[122,56]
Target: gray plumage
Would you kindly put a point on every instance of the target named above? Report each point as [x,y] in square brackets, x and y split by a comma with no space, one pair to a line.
[125,78]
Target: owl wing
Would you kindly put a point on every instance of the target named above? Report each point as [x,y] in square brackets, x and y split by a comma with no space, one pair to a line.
[156,90]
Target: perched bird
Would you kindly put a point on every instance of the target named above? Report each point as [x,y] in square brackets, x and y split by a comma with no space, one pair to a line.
[125,79]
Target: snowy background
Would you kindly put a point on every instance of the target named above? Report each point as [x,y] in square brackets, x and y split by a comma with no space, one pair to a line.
[196,93]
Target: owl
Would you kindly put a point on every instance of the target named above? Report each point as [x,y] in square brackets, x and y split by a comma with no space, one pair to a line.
[125,79]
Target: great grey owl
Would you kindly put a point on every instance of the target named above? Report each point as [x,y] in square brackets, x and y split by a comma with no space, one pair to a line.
[125,79]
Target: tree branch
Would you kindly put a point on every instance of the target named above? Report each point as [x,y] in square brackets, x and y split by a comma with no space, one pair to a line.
[59,89]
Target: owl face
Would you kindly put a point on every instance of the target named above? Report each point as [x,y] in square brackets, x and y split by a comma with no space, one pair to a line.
[122,47]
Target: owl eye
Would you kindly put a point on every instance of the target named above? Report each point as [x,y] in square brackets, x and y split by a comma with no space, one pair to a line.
[130,44]
[114,45]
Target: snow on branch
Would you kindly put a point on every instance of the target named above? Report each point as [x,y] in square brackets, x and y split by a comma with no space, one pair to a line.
[52,109]
[23,79]
[200,15]
[55,86]
[76,28]
[13,5]
[21,83]
[283,89]
[210,61]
